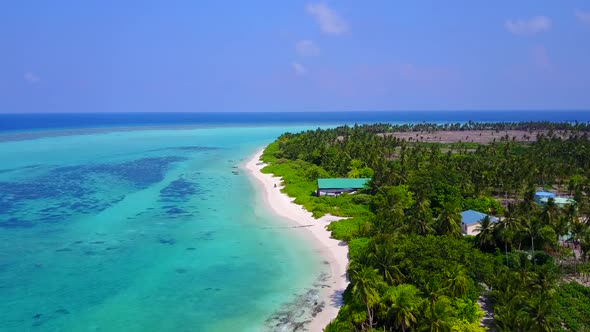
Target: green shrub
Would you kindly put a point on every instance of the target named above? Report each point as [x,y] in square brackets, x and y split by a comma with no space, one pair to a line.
[357,248]
[346,229]
[573,307]
[483,204]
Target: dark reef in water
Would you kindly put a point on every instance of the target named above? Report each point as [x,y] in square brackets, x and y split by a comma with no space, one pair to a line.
[165,240]
[191,148]
[40,319]
[205,236]
[177,194]
[73,190]
[296,315]
[179,191]
[14,222]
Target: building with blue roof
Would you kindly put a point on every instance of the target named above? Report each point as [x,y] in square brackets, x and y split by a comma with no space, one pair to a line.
[543,195]
[471,220]
[559,201]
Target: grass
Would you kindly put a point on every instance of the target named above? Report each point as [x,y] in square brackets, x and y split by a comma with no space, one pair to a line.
[300,182]
[269,153]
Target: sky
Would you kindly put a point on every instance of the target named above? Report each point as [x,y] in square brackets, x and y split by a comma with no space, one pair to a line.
[277,56]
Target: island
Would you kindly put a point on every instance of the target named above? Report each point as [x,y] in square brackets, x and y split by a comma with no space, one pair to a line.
[454,227]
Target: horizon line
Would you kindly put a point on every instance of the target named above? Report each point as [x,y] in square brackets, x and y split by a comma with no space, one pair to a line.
[283,112]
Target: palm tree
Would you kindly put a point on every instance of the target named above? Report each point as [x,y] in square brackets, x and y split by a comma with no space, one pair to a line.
[449,221]
[437,317]
[544,280]
[422,218]
[585,243]
[509,313]
[434,290]
[403,302]
[366,283]
[531,226]
[504,318]
[337,326]
[383,223]
[578,229]
[507,228]
[511,317]
[457,280]
[485,238]
[549,212]
[528,203]
[541,315]
[381,256]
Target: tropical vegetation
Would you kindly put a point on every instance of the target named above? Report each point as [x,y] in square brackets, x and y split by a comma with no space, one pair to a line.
[411,268]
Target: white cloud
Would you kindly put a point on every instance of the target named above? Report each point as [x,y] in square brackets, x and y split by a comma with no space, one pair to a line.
[330,23]
[299,69]
[528,27]
[540,57]
[307,48]
[31,78]
[583,17]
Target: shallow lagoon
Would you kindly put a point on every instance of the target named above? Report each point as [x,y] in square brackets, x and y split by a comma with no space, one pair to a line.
[144,230]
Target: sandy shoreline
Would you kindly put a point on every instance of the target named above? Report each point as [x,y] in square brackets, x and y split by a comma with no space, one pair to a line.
[332,251]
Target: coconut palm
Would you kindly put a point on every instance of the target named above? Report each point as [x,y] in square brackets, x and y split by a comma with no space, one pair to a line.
[403,303]
[449,221]
[421,223]
[338,326]
[541,316]
[530,226]
[457,281]
[434,290]
[437,317]
[366,283]
[485,238]
[544,280]
[585,244]
[511,317]
[549,212]
[381,256]
[507,228]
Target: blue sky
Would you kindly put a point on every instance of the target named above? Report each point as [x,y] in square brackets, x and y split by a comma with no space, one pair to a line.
[182,56]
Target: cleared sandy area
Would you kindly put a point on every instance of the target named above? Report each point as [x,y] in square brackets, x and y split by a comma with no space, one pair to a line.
[475,136]
[334,252]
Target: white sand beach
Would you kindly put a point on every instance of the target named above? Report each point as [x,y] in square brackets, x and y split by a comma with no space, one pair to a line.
[332,251]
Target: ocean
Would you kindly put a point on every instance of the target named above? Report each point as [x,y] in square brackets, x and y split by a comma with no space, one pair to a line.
[41,121]
[144,230]
[147,228]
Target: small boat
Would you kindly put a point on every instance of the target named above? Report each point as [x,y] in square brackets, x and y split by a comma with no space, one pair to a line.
[235,172]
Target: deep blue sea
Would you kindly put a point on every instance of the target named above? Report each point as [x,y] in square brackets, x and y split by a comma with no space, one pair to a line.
[19,122]
[148,229]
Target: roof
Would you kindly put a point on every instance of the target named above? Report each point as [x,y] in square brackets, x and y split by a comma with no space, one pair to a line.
[544,194]
[471,217]
[559,200]
[342,183]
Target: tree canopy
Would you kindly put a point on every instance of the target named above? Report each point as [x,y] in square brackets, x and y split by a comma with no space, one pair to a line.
[411,269]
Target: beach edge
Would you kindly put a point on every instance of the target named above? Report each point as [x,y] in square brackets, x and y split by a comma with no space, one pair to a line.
[332,251]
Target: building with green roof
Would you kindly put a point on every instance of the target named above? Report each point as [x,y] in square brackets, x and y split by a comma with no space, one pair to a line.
[559,201]
[337,186]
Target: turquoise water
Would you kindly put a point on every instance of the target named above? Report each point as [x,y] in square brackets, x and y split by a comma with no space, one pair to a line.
[144,230]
